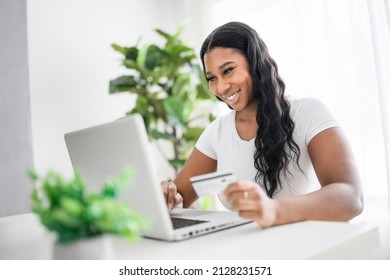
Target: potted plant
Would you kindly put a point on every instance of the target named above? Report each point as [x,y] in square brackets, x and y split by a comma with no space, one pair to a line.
[171,92]
[82,219]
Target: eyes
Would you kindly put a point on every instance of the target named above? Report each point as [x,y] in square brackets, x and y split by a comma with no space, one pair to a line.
[225,72]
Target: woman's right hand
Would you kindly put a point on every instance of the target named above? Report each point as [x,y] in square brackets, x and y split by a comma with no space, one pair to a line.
[172,196]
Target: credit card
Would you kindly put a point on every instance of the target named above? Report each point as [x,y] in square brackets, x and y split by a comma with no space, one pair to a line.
[212,183]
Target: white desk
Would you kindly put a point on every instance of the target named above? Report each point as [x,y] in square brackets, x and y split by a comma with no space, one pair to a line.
[23,237]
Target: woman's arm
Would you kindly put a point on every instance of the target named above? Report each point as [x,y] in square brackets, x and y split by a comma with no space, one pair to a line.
[197,164]
[340,197]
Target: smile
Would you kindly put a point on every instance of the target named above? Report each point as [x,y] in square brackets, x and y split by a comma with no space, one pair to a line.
[232,98]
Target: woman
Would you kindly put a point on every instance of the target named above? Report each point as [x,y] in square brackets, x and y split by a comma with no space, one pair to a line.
[291,159]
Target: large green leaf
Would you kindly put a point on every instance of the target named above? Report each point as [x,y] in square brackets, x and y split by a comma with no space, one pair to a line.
[182,51]
[154,57]
[123,83]
[141,60]
[131,53]
[174,108]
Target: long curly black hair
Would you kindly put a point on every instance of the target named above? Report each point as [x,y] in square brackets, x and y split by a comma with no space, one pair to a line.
[275,146]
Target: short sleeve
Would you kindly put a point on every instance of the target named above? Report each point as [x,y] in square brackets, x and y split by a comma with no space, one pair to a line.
[312,117]
[206,141]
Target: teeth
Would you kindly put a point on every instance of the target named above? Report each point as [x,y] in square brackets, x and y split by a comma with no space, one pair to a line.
[232,96]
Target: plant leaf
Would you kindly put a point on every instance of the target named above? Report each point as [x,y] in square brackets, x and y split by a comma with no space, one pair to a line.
[166,35]
[154,57]
[193,133]
[131,53]
[118,48]
[177,162]
[174,108]
[123,83]
[155,134]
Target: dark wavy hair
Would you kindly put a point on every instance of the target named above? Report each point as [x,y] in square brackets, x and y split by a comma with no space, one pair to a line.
[275,146]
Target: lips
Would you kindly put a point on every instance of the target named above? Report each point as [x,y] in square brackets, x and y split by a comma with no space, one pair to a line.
[233,98]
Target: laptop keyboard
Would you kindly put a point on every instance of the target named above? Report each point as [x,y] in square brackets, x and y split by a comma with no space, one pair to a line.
[180,222]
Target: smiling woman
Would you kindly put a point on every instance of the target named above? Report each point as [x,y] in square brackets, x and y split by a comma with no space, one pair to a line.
[330,51]
[290,156]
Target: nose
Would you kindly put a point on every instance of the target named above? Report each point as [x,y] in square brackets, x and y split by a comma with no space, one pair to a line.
[223,86]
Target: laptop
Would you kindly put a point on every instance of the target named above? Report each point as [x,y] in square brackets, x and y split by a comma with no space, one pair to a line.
[104,151]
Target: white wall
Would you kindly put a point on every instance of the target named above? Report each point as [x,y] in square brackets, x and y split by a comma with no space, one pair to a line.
[15,126]
[71,63]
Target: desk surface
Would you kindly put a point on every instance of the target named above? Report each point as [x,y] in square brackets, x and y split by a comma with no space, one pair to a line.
[23,237]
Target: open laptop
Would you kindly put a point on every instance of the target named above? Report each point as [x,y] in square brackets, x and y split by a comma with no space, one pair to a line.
[103,151]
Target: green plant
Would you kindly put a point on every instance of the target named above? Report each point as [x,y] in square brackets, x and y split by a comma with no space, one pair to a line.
[170,88]
[67,209]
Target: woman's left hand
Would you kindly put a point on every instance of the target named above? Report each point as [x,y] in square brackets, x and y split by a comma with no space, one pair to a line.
[252,202]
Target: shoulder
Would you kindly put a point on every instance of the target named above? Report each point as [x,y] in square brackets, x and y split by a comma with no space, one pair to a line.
[305,105]
[310,117]
[307,108]
[218,127]
[215,134]
[222,123]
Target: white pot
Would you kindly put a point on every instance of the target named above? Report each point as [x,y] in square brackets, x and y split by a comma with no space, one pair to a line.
[94,248]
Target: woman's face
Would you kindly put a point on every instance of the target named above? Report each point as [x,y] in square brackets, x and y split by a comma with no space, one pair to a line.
[229,77]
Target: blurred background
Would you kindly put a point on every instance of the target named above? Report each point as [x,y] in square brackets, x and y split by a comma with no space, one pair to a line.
[56,63]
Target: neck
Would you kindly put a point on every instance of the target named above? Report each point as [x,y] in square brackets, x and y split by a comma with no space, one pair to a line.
[249,113]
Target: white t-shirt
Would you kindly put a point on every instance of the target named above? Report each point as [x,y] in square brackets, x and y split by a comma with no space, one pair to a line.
[221,141]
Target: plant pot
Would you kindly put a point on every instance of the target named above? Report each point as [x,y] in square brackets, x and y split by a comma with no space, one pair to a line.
[94,248]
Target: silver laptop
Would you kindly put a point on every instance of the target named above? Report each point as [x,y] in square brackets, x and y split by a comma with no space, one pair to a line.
[103,151]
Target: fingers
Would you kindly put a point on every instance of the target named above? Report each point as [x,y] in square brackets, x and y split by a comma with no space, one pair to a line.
[172,197]
[242,191]
[172,191]
[164,186]
[178,199]
[244,198]
[251,202]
